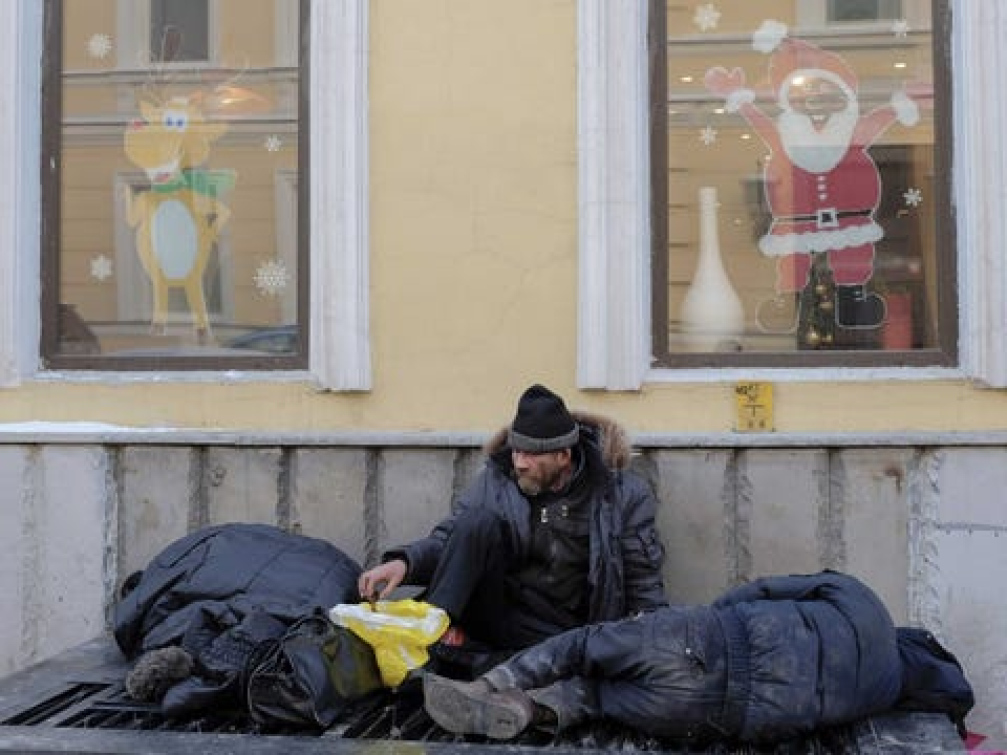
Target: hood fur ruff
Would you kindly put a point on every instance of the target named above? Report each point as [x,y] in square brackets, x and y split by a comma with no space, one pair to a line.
[613,442]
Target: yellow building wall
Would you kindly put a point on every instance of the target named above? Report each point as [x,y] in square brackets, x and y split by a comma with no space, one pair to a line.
[474,244]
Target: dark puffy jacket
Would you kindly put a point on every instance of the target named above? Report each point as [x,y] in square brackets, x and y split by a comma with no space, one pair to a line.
[821,650]
[626,554]
[211,580]
[771,660]
[221,592]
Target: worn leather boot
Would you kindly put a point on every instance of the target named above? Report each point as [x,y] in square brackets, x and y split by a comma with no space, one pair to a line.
[476,708]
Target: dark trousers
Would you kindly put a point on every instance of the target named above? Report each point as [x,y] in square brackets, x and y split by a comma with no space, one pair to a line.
[473,582]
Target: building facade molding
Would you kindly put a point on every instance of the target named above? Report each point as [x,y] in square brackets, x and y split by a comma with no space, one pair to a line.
[980,187]
[613,348]
[340,355]
[21,31]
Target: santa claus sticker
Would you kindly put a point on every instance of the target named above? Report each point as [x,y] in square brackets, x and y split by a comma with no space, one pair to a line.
[822,186]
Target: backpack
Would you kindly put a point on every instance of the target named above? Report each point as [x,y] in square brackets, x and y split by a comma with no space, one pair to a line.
[932,677]
[310,675]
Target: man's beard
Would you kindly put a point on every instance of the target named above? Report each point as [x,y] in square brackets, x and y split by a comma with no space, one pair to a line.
[533,486]
[528,486]
[817,150]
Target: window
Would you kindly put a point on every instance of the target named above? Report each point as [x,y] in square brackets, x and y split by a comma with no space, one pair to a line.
[841,11]
[179,30]
[814,15]
[801,189]
[176,232]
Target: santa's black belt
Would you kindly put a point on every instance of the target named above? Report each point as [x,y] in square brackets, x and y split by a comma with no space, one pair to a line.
[827,217]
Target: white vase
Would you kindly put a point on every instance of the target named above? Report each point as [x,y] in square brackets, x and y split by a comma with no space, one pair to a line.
[712,316]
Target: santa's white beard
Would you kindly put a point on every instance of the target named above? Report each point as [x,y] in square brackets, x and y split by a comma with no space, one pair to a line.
[812,149]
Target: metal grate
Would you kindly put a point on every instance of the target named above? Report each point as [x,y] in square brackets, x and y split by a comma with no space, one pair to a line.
[77,702]
[395,715]
[51,708]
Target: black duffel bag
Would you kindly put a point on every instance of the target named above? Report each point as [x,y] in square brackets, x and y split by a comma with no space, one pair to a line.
[310,675]
[933,678]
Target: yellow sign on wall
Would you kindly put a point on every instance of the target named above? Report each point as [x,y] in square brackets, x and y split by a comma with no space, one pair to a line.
[754,404]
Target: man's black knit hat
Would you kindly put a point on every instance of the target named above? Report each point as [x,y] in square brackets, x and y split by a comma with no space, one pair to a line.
[542,423]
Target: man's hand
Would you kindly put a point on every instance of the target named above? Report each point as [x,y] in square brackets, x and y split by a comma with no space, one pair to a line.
[378,583]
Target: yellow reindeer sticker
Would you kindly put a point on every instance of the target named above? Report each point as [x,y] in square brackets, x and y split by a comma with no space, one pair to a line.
[178,221]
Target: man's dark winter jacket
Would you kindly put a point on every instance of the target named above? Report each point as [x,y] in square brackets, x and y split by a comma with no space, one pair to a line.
[770,660]
[626,553]
[219,593]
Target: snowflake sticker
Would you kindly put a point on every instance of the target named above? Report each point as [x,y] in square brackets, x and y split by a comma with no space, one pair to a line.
[271,278]
[708,135]
[99,46]
[273,143]
[101,267]
[900,28]
[913,197]
[706,17]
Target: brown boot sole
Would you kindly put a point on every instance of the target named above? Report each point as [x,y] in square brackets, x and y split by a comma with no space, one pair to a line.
[468,708]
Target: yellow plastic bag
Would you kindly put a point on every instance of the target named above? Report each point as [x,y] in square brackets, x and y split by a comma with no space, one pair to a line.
[398,630]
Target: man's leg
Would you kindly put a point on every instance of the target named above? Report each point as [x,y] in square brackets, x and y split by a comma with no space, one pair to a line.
[566,703]
[470,585]
[473,563]
[549,684]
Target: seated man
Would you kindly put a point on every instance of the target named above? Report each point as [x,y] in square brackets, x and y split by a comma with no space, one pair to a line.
[552,534]
[770,660]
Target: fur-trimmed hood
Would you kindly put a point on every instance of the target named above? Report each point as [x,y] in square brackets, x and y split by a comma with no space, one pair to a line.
[607,435]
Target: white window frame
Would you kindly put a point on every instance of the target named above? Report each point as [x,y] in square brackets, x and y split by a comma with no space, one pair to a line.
[614,321]
[339,330]
[613,340]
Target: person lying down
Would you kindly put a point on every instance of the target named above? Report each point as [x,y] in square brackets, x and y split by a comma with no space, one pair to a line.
[769,660]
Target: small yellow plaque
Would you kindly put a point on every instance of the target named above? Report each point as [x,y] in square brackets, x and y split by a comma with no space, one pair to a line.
[754,402]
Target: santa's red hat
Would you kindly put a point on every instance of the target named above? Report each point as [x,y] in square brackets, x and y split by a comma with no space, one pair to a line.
[790,55]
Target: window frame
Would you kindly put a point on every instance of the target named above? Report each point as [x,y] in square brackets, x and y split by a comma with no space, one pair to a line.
[614,352]
[52,122]
[943,354]
[339,328]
